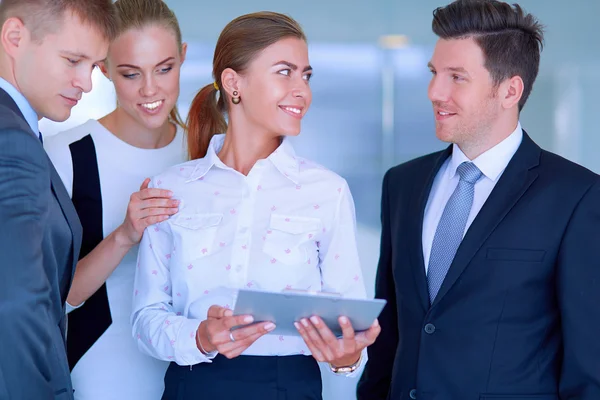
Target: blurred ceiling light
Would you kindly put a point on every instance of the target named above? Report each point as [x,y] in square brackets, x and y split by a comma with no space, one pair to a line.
[393,41]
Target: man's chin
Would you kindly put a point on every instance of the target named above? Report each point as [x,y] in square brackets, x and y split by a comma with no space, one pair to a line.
[58,116]
[444,135]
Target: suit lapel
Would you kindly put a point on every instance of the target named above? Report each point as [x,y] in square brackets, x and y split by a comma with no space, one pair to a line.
[418,203]
[514,182]
[69,213]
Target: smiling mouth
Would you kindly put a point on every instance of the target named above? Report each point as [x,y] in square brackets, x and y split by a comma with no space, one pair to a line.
[152,106]
[293,111]
[443,115]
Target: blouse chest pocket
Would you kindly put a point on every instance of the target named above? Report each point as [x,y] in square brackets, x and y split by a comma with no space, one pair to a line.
[194,234]
[290,239]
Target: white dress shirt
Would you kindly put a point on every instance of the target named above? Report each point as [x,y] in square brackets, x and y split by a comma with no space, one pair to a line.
[288,224]
[492,164]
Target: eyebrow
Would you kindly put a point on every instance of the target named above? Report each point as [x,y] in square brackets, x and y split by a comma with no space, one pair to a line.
[75,54]
[293,67]
[451,69]
[136,67]
[78,55]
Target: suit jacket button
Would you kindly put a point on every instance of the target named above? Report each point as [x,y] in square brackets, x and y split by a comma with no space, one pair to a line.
[413,394]
[429,329]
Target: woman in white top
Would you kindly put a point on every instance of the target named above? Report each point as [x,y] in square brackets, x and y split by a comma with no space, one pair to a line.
[252,215]
[102,163]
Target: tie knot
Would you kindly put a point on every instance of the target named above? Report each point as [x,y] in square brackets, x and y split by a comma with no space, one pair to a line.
[469,172]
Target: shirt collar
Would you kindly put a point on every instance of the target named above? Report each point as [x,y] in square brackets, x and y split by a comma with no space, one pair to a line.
[283,159]
[204,164]
[492,162]
[28,112]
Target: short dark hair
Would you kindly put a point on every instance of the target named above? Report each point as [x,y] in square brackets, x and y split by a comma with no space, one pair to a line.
[42,16]
[511,40]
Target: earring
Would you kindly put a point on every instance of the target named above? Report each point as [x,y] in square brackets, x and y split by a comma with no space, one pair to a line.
[236,98]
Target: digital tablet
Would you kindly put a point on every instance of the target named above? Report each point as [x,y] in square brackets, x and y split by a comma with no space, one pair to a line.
[285,308]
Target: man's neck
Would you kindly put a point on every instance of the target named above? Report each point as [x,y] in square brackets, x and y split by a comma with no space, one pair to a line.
[482,143]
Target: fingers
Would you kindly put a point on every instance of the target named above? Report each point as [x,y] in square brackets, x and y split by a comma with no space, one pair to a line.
[145,184]
[143,213]
[334,345]
[320,350]
[369,336]
[325,346]
[234,349]
[238,320]
[244,338]
[349,337]
[218,331]
[218,312]
[149,206]
[146,222]
[141,219]
[156,203]
[152,193]
[154,212]
[241,334]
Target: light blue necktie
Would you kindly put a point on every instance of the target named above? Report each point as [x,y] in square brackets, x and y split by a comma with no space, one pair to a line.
[450,230]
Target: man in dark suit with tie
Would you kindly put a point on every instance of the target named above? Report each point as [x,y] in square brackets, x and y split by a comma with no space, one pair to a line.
[47,53]
[489,249]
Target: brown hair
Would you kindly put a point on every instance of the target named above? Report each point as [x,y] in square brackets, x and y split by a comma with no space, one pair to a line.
[43,16]
[239,43]
[511,40]
[137,14]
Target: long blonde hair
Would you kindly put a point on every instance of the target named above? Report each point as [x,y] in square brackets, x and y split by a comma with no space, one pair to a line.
[138,14]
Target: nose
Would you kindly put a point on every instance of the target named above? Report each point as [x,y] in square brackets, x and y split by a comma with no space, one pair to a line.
[149,87]
[301,88]
[83,80]
[438,91]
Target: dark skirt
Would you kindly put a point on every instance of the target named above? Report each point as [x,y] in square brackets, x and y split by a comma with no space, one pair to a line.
[246,377]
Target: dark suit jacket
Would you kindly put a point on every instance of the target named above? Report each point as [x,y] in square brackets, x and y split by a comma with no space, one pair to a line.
[518,314]
[40,236]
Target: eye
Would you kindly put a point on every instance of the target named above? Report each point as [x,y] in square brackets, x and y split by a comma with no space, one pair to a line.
[129,76]
[165,70]
[457,78]
[285,72]
[307,77]
[72,61]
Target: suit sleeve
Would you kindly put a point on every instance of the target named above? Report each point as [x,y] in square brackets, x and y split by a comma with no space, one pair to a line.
[375,381]
[578,288]
[24,285]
